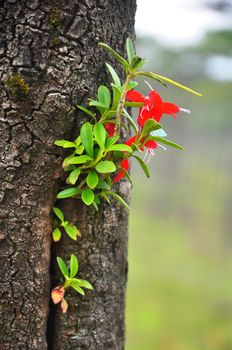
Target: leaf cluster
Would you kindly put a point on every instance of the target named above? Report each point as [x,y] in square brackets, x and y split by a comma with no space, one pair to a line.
[96,156]
[62,224]
[69,273]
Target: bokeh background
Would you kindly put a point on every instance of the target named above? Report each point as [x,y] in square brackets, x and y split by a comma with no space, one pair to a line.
[180,246]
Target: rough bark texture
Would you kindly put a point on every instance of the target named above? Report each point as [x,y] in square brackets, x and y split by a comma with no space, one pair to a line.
[53,46]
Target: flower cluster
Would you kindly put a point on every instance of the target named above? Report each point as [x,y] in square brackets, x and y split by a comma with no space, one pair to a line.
[97,160]
[153,108]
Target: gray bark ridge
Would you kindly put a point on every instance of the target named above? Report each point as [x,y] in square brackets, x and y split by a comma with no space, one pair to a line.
[50,61]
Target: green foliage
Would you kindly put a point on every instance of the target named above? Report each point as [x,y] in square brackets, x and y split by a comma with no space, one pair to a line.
[71,230]
[70,275]
[96,159]
[105,167]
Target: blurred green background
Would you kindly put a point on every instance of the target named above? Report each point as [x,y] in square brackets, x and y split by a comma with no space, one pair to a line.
[179,294]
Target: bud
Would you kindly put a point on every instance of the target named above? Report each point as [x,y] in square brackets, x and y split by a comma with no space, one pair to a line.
[57,294]
[64,306]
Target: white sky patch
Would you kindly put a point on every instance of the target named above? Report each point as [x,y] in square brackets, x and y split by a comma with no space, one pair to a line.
[178,22]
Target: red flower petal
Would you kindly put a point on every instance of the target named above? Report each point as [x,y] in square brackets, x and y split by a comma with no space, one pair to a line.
[110,128]
[170,108]
[135,96]
[155,100]
[151,144]
[130,141]
[125,164]
[152,109]
[146,114]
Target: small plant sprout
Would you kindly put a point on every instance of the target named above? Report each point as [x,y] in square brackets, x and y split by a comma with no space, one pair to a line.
[96,159]
[71,281]
[71,230]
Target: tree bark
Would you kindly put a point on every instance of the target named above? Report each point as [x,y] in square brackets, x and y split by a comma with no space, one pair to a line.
[50,61]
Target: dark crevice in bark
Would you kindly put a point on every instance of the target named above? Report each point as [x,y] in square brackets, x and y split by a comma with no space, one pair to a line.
[52,308]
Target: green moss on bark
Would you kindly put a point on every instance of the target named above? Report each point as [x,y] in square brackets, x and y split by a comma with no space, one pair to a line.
[17,85]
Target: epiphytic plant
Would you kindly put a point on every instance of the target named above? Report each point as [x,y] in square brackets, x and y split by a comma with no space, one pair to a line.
[97,159]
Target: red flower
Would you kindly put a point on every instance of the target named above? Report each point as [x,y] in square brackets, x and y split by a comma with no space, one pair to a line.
[153,107]
[110,128]
[150,145]
[125,164]
[130,141]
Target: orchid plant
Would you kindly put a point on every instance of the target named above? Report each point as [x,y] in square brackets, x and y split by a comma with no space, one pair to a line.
[97,158]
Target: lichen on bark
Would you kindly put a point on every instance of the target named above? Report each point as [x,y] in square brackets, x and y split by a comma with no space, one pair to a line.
[16,85]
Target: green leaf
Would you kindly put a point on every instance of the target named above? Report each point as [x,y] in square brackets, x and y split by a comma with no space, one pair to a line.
[84,283]
[143,165]
[97,104]
[65,223]
[119,58]
[87,196]
[73,266]
[77,288]
[79,150]
[92,179]
[130,120]
[110,113]
[114,75]
[86,134]
[63,267]
[100,134]
[106,166]
[137,63]
[127,175]
[104,195]
[137,147]
[132,85]
[111,140]
[130,51]
[56,234]
[85,110]
[73,177]
[68,192]
[104,95]
[67,159]
[133,104]
[150,75]
[119,198]
[59,213]
[95,205]
[72,231]
[69,168]
[103,185]
[162,80]
[78,141]
[120,147]
[116,96]
[165,142]
[178,85]
[64,143]
[149,126]
[79,160]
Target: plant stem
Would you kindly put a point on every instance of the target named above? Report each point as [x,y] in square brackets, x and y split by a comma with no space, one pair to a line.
[122,100]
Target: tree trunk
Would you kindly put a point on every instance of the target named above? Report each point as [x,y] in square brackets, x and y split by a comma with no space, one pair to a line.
[50,61]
